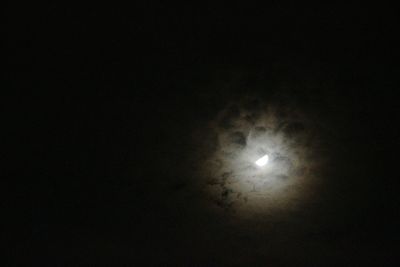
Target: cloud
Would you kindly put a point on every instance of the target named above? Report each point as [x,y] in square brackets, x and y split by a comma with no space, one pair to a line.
[243,130]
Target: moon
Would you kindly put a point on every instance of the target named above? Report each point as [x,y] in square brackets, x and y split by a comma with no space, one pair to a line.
[262,161]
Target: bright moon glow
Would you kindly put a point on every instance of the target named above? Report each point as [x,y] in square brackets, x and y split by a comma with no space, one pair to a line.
[262,161]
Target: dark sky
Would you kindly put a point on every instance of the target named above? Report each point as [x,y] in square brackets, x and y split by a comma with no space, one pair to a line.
[110,122]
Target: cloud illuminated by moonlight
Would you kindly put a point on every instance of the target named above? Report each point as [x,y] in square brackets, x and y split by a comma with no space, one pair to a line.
[237,137]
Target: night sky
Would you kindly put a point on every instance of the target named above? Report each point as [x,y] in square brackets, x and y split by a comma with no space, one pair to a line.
[134,130]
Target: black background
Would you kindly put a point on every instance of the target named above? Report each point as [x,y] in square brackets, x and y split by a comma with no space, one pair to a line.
[96,89]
